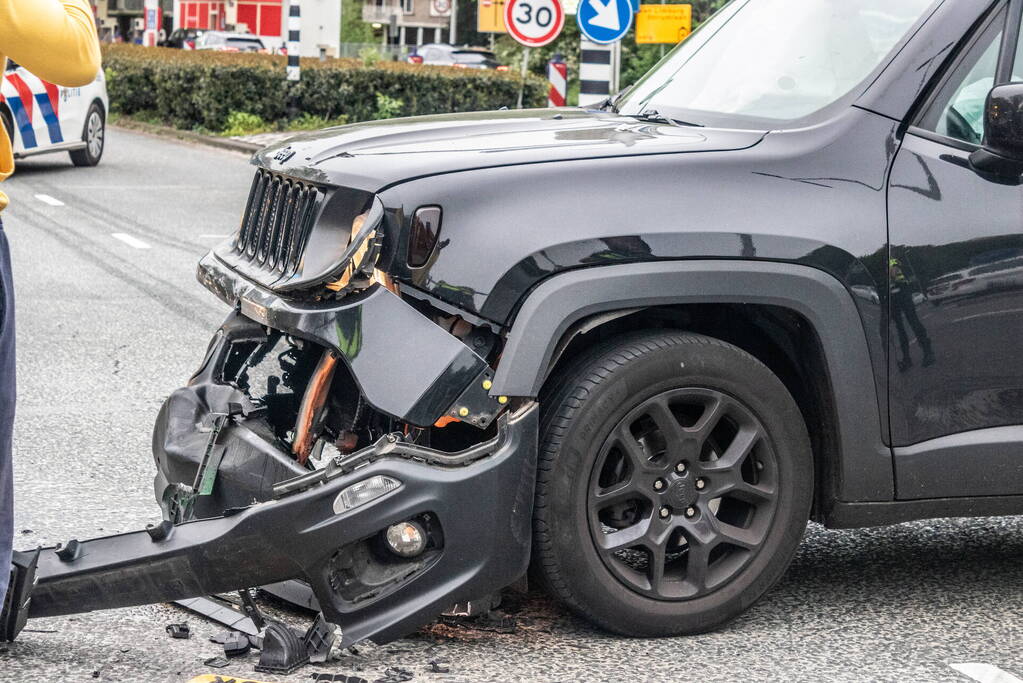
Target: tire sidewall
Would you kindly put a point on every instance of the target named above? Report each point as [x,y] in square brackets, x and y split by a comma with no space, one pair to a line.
[697,365]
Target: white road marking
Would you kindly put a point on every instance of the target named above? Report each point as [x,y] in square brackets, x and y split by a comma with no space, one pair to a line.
[988,315]
[47,199]
[985,673]
[130,240]
[213,237]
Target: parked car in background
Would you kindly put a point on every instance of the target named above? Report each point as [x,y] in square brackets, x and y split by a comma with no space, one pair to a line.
[224,41]
[440,54]
[42,117]
[183,38]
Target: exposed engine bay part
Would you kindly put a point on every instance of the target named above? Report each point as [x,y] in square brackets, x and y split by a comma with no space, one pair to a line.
[481,513]
[403,364]
[311,409]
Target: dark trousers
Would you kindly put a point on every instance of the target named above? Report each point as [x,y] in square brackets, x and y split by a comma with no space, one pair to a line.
[7,396]
[903,307]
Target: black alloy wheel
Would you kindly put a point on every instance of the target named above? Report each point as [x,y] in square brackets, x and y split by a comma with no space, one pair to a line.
[674,483]
[683,493]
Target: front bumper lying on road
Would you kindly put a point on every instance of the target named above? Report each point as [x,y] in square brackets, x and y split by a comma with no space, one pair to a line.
[480,527]
[263,517]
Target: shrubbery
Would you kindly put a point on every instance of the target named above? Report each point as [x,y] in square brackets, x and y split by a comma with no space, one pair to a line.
[203,90]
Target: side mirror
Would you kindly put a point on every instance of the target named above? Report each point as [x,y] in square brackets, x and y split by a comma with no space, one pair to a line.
[1002,151]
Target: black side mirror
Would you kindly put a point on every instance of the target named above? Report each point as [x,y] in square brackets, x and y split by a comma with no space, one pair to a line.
[1002,151]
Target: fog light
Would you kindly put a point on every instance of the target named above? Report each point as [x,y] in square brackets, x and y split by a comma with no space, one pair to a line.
[365,491]
[407,539]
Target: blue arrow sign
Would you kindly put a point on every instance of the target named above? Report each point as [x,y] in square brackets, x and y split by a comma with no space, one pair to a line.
[604,21]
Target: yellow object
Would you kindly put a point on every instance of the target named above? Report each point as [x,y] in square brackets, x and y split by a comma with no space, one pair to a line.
[56,41]
[487,384]
[490,17]
[663,23]
[502,399]
[463,411]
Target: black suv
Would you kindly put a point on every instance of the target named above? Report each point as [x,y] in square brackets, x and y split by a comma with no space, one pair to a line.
[635,347]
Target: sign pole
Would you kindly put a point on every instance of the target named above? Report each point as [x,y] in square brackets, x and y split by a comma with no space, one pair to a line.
[522,75]
[294,68]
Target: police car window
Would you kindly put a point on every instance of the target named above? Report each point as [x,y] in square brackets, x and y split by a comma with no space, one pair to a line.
[957,110]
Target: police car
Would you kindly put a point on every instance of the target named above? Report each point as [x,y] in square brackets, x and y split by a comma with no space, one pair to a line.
[41,117]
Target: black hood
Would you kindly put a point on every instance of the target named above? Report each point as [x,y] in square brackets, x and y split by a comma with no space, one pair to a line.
[373,155]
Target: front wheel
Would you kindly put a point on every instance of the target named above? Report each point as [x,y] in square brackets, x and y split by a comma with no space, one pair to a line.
[674,486]
[93,135]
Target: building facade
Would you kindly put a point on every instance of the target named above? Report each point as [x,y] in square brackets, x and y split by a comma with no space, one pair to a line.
[410,22]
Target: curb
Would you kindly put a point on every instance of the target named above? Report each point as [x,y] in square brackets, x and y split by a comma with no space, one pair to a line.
[125,123]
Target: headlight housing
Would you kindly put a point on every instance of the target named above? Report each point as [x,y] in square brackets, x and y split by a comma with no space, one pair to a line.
[360,258]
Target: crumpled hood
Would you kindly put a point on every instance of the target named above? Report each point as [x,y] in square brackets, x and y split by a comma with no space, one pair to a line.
[373,155]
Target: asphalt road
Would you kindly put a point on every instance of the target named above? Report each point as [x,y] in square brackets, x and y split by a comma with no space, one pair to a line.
[111,320]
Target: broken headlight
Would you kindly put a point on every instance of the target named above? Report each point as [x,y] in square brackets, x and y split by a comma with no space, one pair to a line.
[363,250]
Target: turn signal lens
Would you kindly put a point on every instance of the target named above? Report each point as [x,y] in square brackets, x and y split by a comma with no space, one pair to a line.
[364,492]
[423,237]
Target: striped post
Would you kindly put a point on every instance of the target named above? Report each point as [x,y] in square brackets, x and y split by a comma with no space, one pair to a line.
[557,76]
[294,37]
[597,71]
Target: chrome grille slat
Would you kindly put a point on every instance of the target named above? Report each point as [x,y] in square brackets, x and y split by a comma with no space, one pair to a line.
[278,219]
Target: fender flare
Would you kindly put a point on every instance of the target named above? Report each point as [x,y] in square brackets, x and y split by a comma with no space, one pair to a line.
[864,470]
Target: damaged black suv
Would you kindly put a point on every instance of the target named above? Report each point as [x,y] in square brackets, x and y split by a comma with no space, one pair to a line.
[634,347]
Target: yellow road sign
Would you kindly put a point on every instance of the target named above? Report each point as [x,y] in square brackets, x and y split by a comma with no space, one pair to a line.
[663,23]
[490,17]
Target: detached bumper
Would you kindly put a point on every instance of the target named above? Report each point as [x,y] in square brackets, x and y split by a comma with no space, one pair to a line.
[405,365]
[482,512]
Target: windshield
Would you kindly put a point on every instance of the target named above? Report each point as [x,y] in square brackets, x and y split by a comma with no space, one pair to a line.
[768,61]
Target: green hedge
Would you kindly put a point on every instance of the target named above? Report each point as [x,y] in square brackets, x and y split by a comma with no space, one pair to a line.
[194,89]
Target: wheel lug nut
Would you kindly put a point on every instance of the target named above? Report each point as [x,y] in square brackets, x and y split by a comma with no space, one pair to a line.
[690,512]
[701,484]
[680,468]
[658,485]
[664,512]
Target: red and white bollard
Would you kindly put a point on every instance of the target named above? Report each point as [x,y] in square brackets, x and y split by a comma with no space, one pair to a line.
[557,74]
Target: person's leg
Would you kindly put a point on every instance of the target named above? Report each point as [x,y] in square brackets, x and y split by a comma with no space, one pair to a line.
[906,361]
[7,395]
[921,334]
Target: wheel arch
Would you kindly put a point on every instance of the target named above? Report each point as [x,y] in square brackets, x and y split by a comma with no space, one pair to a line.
[808,331]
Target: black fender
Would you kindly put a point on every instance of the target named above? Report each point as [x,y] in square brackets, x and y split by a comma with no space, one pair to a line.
[864,469]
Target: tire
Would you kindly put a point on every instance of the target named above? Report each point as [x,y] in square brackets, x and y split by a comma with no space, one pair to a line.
[714,394]
[94,136]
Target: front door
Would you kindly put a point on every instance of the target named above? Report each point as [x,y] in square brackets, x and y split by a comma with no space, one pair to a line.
[955,294]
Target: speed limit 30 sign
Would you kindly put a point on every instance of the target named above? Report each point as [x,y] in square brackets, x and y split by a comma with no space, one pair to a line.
[534,23]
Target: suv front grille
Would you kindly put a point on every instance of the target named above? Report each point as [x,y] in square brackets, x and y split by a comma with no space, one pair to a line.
[276,224]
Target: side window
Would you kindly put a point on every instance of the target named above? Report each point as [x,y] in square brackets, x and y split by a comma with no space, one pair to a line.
[957,109]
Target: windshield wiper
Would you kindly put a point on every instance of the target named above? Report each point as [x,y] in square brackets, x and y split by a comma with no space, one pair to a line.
[654,116]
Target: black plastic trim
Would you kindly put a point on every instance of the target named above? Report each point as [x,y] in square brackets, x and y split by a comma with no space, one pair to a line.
[983,462]
[859,515]
[865,467]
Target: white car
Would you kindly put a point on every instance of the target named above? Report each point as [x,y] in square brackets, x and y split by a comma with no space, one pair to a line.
[41,117]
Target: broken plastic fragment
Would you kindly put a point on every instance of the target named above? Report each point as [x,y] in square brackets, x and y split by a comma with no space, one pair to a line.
[236,644]
[216,662]
[283,650]
[395,674]
[319,639]
[439,666]
[181,631]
